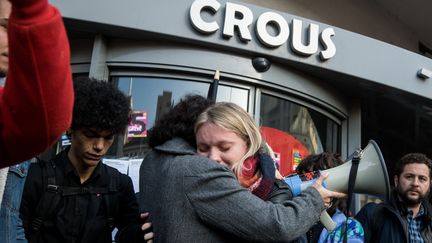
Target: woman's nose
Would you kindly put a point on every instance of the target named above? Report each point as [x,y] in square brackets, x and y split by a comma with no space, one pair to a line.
[214,155]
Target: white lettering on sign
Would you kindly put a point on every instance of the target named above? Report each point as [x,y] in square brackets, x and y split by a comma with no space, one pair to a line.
[330,48]
[297,44]
[239,18]
[246,18]
[261,29]
[198,22]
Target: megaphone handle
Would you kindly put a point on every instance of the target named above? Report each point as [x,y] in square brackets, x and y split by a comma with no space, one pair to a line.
[327,221]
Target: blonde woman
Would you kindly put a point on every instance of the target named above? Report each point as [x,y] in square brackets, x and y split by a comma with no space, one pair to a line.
[227,134]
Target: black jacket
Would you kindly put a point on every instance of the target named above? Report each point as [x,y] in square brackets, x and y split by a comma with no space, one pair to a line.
[80,218]
[280,193]
[386,222]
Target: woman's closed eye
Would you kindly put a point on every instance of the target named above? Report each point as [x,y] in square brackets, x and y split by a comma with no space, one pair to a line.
[224,148]
[203,149]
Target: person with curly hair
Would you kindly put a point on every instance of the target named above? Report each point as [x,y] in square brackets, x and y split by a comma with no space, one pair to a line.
[191,198]
[75,197]
[407,216]
[317,162]
[179,121]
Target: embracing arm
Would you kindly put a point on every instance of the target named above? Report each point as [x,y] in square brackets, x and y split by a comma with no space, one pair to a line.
[36,102]
[221,202]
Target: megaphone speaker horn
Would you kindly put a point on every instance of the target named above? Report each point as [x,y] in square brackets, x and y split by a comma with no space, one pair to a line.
[372,177]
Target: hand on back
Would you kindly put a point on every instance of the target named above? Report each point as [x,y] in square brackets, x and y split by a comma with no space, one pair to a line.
[147,228]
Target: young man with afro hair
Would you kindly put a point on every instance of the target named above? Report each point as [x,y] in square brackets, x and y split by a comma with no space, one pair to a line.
[71,197]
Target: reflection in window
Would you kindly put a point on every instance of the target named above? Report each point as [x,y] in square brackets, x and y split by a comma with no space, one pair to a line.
[300,130]
[234,95]
[153,97]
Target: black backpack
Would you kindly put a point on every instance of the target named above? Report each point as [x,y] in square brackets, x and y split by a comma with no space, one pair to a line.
[54,191]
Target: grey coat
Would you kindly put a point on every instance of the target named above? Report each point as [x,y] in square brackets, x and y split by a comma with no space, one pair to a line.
[193,199]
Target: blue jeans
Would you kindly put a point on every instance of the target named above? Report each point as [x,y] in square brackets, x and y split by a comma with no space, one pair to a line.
[11,229]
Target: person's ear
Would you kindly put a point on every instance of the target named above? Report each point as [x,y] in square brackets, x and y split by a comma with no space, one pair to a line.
[396,180]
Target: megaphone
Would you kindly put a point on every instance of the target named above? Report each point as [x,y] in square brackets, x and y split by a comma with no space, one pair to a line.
[371,179]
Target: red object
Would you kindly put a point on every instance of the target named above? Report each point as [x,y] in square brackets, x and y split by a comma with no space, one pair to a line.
[291,151]
[137,127]
[309,176]
[37,100]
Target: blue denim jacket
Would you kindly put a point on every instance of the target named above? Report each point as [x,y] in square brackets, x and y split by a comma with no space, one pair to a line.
[11,230]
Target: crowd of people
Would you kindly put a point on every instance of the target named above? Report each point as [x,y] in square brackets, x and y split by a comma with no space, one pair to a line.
[210,175]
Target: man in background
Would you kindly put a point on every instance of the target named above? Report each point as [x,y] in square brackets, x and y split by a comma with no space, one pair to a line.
[407,217]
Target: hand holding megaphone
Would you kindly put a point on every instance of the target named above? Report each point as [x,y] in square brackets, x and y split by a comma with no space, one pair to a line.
[298,183]
[371,178]
[327,196]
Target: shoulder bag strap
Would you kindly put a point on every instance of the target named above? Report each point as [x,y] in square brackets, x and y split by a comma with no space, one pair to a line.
[111,198]
[51,196]
[351,182]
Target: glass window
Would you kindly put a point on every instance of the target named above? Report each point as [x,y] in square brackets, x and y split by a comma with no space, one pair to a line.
[233,94]
[151,98]
[294,131]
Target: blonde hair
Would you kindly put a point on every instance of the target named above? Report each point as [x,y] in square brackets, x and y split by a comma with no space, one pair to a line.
[234,118]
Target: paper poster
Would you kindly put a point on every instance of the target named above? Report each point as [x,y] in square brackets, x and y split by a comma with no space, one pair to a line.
[120,164]
[134,167]
[137,127]
[128,167]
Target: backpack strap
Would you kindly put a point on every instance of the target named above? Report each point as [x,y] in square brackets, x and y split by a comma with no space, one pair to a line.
[50,198]
[73,191]
[54,192]
[111,198]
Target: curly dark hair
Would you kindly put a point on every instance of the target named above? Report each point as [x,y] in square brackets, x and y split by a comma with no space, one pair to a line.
[323,161]
[412,158]
[99,105]
[179,121]
[320,161]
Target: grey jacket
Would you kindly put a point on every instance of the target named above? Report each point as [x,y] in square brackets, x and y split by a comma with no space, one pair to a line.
[193,199]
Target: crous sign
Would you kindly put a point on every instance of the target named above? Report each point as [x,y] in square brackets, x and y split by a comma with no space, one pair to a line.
[239,17]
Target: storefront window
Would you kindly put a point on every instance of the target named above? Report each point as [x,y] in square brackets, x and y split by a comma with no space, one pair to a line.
[294,131]
[151,98]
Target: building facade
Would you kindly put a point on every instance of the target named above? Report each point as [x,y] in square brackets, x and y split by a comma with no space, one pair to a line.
[323,77]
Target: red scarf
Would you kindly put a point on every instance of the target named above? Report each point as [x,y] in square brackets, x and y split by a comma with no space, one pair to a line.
[258,175]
